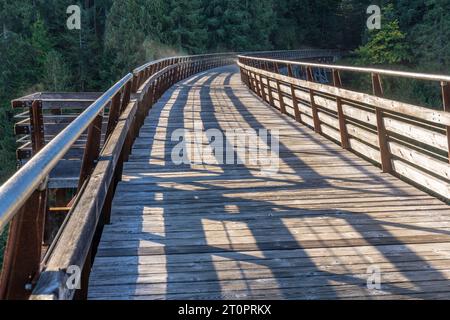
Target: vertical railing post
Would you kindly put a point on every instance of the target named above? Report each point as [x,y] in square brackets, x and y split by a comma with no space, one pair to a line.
[277,70]
[385,154]
[92,149]
[263,90]
[297,114]
[126,97]
[446,103]
[251,81]
[22,255]
[290,73]
[341,116]
[37,126]
[257,84]
[281,98]
[314,109]
[135,81]
[114,113]
[269,88]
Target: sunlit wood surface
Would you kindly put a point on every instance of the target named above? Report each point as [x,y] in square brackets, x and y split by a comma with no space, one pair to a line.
[312,230]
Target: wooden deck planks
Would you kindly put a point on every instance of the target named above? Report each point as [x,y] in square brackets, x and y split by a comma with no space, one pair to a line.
[309,231]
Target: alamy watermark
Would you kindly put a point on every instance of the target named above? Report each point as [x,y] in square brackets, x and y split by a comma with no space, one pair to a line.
[234,146]
[374,277]
[74,20]
[73,281]
[374,20]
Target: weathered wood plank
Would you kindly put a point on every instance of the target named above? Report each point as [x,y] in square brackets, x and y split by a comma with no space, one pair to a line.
[309,230]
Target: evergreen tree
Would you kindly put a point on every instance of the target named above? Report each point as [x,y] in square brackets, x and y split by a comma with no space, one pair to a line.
[387,45]
[56,76]
[187,25]
[430,36]
[124,37]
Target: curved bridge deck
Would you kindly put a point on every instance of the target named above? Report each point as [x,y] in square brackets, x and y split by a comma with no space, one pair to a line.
[311,231]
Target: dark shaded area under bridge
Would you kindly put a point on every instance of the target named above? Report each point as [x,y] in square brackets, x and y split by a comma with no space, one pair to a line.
[310,231]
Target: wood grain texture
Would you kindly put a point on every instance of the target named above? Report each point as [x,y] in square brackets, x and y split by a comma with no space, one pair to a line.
[309,231]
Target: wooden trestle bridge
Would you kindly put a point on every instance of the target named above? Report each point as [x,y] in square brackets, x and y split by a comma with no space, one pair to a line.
[360,197]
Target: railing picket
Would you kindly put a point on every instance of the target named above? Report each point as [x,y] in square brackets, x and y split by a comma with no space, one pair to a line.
[351,117]
[263,90]
[114,113]
[125,97]
[314,109]
[341,116]
[22,255]
[295,104]
[270,91]
[281,98]
[92,149]
[37,126]
[290,73]
[386,164]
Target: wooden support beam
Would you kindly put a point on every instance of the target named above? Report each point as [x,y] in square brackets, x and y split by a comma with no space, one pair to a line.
[383,139]
[37,126]
[22,257]
[277,69]
[92,149]
[270,91]
[314,108]
[341,116]
[75,242]
[114,113]
[56,214]
[376,85]
[309,74]
[297,114]
[290,73]
[263,91]
[258,87]
[125,97]
[281,98]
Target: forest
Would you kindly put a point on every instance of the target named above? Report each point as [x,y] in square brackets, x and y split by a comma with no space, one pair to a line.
[38,52]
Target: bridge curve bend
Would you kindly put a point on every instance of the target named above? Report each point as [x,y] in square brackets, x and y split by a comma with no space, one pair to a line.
[156,211]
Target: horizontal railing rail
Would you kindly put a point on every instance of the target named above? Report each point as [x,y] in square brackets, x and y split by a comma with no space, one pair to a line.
[407,140]
[259,62]
[24,198]
[21,185]
[302,54]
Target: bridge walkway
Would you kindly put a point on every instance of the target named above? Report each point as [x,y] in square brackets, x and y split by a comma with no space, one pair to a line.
[318,228]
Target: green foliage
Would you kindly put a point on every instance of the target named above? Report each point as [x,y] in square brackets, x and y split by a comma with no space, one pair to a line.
[387,45]
[38,51]
[124,36]
[430,36]
[40,40]
[56,73]
[186,27]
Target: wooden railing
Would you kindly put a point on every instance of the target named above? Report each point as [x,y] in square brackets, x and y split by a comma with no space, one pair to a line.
[407,140]
[302,54]
[107,144]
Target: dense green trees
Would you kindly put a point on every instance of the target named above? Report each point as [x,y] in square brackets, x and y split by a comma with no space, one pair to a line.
[38,52]
[387,45]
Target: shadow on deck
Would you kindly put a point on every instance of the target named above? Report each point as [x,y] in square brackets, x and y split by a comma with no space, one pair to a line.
[311,231]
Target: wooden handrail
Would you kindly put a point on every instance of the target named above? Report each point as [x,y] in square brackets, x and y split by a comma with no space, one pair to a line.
[386,72]
[23,270]
[407,140]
